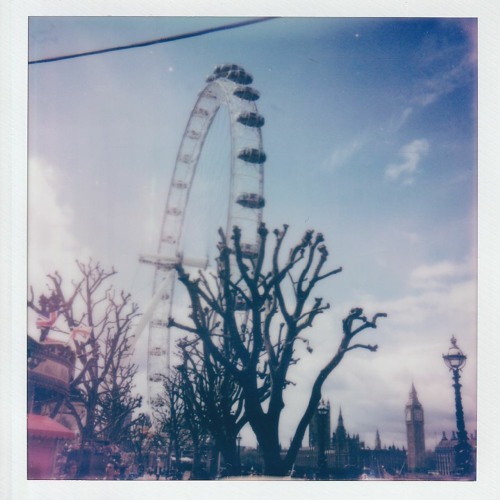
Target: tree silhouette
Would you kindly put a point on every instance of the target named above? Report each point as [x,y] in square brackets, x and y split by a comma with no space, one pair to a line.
[212,400]
[246,324]
[103,382]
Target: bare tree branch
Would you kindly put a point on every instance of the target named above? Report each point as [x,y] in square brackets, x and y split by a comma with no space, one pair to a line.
[103,380]
[245,325]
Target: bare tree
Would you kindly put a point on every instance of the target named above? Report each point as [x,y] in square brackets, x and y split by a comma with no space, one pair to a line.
[212,400]
[199,402]
[103,380]
[169,411]
[258,352]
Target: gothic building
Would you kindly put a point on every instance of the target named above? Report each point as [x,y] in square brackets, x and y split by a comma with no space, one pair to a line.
[444,454]
[346,448]
[346,456]
[414,416]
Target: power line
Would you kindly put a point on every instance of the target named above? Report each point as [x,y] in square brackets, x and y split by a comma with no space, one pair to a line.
[156,41]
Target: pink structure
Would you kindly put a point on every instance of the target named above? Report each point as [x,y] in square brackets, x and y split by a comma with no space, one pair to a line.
[44,438]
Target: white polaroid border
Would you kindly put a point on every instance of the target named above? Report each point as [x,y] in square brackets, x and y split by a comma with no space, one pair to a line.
[13,246]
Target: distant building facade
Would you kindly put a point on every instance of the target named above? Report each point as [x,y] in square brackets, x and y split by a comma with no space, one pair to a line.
[346,455]
[414,417]
[444,454]
[346,448]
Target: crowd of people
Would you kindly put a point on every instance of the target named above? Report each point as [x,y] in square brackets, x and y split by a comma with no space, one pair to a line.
[109,464]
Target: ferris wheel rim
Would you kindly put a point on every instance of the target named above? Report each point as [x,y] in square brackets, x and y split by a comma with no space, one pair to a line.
[229,88]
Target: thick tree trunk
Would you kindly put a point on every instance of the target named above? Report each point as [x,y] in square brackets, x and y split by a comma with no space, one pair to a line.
[88,432]
[265,428]
[231,459]
[178,455]
[275,468]
[196,461]
[274,465]
[213,464]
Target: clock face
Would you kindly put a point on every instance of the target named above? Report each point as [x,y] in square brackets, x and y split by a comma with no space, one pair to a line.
[414,414]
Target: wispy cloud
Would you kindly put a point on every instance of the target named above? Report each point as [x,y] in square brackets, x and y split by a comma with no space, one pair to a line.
[431,89]
[340,156]
[447,66]
[438,275]
[399,119]
[411,154]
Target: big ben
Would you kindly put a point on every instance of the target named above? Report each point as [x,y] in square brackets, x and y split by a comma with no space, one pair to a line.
[414,416]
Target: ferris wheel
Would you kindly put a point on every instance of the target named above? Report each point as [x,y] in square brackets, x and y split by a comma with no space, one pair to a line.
[227,87]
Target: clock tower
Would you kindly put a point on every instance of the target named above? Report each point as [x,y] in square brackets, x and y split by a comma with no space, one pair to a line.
[414,416]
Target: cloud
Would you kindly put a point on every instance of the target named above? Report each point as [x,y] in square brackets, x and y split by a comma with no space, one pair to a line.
[400,118]
[443,83]
[437,275]
[411,154]
[433,59]
[411,341]
[341,155]
[52,243]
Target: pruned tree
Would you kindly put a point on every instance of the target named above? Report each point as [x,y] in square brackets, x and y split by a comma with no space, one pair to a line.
[99,320]
[169,411]
[212,400]
[199,406]
[258,352]
[137,439]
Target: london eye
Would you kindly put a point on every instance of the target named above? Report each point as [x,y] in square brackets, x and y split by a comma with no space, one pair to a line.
[227,89]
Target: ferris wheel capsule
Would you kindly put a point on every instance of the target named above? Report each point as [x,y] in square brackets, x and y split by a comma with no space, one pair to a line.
[252,155]
[240,76]
[251,200]
[251,119]
[246,93]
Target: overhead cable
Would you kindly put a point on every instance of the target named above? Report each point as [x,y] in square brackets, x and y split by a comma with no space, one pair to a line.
[154,42]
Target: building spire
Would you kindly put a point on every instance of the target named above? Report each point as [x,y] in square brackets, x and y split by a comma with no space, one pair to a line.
[413,395]
[341,419]
[378,444]
[340,432]
[414,415]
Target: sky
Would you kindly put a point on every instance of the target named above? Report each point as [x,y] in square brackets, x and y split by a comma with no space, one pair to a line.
[371,139]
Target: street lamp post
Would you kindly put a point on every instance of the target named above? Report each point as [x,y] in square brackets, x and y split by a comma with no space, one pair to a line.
[322,438]
[455,361]
[238,440]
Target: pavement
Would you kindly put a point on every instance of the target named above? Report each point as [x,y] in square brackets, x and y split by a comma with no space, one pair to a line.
[152,477]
